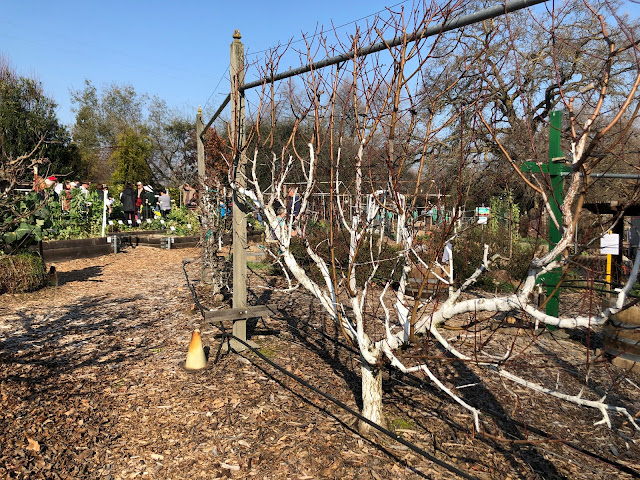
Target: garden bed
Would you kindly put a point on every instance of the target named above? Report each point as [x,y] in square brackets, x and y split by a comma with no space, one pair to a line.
[60,250]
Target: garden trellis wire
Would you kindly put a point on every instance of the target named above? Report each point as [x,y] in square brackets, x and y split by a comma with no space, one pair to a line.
[465,20]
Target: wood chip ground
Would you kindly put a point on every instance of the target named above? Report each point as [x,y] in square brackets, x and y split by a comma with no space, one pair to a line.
[92,386]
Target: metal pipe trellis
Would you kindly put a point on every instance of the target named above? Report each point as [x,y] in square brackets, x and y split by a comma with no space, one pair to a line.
[463,21]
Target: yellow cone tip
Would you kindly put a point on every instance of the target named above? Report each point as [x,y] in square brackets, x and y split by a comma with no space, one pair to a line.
[196,359]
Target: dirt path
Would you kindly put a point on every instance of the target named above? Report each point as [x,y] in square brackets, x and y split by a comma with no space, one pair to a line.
[91,386]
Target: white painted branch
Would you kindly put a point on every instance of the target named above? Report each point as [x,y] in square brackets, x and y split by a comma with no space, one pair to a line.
[341,215]
[398,364]
[600,405]
[310,178]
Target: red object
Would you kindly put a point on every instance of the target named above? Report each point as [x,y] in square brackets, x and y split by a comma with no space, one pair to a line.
[52,178]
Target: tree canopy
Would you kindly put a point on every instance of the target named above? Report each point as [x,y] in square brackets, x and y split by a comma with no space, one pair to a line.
[104,118]
[28,119]
[130,158]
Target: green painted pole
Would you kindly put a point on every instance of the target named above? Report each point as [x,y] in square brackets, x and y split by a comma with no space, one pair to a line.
[556,167]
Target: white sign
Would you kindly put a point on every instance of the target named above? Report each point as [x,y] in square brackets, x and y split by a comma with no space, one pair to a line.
[119,222]
[447,253]
[148,220]
[482,220]
[110,222]
[173,229]
[610,244]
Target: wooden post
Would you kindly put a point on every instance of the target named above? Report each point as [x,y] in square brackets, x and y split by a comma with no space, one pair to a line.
[200,145]
[239,222]
[206,271]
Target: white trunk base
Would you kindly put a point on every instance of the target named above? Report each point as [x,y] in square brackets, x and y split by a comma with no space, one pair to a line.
[371,397]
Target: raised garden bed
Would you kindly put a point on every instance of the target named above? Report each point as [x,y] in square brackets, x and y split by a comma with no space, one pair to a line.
[58,250]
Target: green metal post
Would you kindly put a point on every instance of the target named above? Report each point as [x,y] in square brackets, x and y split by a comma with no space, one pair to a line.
[555,169]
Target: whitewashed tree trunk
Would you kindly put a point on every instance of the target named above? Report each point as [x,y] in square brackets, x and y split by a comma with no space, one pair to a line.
[371,396]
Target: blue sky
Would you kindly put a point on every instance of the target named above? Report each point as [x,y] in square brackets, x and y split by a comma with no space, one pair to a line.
[177,50]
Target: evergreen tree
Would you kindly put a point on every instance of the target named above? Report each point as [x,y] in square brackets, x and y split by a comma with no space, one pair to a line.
[130,158]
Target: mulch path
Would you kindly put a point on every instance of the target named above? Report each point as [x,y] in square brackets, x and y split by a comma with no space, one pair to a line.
[92,386]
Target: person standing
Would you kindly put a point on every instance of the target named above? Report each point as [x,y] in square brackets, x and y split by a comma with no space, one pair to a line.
[108,202]
[65,198]
[164,201]
[149,202]
[294,203]
[128,199]
[139,198]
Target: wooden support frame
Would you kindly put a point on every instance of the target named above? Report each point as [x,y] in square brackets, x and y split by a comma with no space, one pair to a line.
[238,314]
[236,74]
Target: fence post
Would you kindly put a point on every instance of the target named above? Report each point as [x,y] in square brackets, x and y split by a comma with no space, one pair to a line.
[206,271]
[200,145]
[236,74]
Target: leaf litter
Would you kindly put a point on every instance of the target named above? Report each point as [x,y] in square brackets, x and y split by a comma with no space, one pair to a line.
[92,386]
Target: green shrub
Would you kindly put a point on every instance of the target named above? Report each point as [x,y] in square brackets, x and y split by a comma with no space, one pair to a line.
[468,251]
[317,238]
[24,223]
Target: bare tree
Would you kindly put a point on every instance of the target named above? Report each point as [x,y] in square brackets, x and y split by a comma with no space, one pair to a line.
[402,121]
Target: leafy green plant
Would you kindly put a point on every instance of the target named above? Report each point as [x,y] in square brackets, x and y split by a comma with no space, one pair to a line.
[24,223]
[399,423]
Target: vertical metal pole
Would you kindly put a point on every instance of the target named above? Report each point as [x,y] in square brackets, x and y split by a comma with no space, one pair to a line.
[617,260]
[608,275]
[553,277]
[236,73]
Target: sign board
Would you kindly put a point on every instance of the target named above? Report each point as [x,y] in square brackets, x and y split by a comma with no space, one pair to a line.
[610,244]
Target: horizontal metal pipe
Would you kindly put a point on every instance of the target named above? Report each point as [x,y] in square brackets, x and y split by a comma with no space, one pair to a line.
[215,115]
[486,14]
[463,21]
[624,176]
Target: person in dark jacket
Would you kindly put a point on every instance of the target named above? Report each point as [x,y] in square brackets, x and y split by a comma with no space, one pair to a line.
[128,199]
[149,202]
[294,203]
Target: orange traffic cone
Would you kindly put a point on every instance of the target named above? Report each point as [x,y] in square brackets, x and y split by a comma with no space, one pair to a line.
[196,359]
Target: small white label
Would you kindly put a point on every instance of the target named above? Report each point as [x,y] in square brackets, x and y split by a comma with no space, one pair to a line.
[189,226]
[162,222]
[119,222]
[110,222]
[173,229]
[148,220]
[610,244]
[139,221]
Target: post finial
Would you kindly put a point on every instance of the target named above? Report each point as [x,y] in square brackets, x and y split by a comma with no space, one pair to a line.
[199,110]
[236,35]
